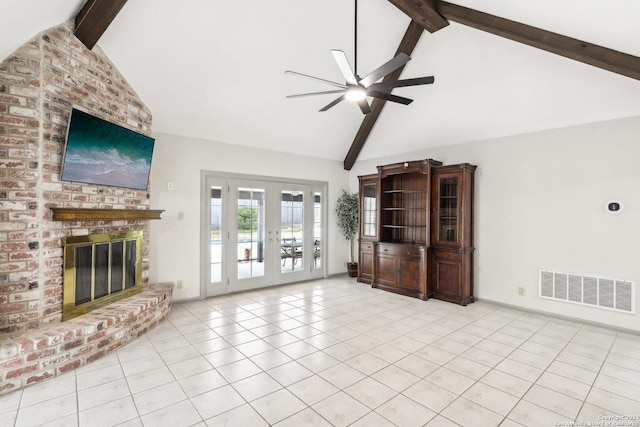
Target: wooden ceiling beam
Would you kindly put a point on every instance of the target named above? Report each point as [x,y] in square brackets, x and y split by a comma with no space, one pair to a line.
[407,45]
[423,12]
[433,15]
[94,19]
[597,56]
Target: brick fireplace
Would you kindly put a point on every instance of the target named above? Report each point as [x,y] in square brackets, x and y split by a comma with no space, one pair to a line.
[39,84]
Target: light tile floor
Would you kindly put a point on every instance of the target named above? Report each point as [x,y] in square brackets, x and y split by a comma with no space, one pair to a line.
[336,352]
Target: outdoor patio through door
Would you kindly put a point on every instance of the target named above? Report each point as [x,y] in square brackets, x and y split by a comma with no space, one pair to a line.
[261,233]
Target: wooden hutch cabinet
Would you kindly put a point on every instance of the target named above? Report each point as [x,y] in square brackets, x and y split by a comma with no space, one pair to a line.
[416,233]
[452,233]
[368,226]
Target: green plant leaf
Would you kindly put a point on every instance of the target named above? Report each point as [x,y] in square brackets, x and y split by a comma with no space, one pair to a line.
[347,216]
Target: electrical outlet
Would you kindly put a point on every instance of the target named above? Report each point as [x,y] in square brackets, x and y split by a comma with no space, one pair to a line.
[521,290]
[180,216]
[179,284]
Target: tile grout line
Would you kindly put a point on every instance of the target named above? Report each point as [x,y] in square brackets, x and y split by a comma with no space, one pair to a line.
[440,413]
[591,386]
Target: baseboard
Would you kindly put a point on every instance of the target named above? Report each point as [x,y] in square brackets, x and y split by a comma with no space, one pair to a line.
[562,317]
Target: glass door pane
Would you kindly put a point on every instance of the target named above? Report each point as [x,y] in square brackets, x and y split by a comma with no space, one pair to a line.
[369,210]
[130,254]
[84,264]
[250,232]
[448,210]
[216,234]
[317,230]
[117,266]
[292,230]
[101,270]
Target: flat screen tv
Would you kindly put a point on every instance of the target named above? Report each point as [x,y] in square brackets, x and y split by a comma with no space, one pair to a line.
[102,153]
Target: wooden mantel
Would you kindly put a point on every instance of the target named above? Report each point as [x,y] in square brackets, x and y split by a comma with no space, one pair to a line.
[80,214]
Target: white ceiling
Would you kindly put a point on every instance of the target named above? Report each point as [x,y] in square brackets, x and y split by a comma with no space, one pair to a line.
[214,69]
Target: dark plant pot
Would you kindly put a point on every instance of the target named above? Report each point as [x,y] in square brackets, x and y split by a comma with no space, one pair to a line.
[352,269]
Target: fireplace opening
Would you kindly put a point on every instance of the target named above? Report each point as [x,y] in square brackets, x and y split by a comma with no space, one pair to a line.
[100,269]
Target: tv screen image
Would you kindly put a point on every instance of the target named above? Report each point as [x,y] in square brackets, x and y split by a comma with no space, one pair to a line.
[100,152]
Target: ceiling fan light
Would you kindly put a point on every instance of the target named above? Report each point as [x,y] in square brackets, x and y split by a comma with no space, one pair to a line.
[355,94]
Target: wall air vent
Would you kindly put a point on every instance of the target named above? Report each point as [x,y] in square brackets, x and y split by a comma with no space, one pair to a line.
[610,294]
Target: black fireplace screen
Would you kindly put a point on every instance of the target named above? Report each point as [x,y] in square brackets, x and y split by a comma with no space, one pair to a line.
[116,266]
[130,265]
[83,274]
[104,269]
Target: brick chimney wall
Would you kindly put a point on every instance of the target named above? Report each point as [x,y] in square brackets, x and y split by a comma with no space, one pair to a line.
[39,84]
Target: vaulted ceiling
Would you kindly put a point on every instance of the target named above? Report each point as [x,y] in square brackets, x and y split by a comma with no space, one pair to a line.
[214,69]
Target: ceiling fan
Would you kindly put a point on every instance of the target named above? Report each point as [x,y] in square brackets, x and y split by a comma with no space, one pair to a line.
[358,89]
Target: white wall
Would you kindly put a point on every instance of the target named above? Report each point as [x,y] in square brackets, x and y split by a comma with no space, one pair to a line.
[539,204]
[175,244]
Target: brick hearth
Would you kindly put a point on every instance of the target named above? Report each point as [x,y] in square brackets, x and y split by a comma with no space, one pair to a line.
[36,355]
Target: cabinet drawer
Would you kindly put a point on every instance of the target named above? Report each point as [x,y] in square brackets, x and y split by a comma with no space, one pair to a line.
[448,255]
[401,250]
[366,246]
[411,252]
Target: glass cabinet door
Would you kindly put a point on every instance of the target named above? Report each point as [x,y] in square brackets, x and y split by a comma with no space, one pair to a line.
[369,210]
[448,209]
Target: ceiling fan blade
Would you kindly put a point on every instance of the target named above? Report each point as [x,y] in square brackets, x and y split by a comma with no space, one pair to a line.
[293,73]
[345,68]
[389,97]
[402,83]
[398,61]
[300,95]
[364,106]
[332,103]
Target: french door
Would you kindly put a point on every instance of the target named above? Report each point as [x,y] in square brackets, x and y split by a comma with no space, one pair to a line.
[262,233]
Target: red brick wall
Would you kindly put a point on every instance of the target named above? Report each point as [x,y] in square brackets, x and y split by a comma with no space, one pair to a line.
[39,84]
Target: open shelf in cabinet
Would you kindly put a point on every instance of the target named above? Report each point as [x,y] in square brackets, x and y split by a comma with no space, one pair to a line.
[403,212]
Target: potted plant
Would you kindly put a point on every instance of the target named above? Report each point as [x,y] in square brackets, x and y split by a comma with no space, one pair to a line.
[347,213]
